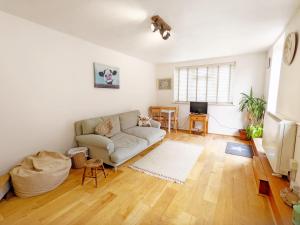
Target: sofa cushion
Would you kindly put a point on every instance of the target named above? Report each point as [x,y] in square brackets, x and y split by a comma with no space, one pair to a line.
[78,128]
[115,122]
[129,119]
[151,134]
[126,146]
[89,125]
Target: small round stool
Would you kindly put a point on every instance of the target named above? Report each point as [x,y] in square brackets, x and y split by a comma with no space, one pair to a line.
[94,165]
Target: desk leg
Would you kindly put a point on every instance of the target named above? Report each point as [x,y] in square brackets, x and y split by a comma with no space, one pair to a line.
[190,126]
[205,130]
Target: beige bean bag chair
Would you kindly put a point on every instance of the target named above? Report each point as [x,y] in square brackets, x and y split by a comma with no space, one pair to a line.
[40,173]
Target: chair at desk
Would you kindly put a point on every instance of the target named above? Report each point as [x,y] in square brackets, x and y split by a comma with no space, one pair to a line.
[155,114]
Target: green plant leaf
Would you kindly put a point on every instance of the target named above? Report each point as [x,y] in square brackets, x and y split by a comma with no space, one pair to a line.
[254,106]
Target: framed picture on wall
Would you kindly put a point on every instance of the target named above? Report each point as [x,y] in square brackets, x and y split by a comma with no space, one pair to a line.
[165,84]
[106,76]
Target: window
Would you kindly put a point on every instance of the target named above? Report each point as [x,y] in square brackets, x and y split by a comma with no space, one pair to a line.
[275,74]
[211,83]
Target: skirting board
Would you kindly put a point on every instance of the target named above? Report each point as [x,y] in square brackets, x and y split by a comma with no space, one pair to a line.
[225,135]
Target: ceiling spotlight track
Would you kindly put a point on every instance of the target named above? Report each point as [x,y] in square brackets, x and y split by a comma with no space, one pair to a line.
[159,24]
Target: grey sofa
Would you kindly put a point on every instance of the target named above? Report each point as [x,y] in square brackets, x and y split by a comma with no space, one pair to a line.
[128,141]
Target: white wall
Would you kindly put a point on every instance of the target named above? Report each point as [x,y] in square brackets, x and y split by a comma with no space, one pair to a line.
[224,119]
[288,104]
[289,89]
[46,83]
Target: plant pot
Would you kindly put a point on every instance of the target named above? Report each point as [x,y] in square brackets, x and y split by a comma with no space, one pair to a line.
[243,134]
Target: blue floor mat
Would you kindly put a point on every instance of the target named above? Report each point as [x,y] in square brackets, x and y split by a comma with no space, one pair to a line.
[239,149]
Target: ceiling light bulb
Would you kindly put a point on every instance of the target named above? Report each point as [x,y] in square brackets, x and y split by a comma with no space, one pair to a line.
[153,27]
[157,23]
[166,34]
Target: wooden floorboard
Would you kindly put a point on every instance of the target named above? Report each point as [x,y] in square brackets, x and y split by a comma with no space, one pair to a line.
[220,190]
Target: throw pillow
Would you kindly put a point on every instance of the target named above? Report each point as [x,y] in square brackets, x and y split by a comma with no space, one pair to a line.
[115,122]
[104,127]
[144,121]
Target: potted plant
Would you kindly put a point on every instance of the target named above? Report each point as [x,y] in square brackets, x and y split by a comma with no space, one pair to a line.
[255,108]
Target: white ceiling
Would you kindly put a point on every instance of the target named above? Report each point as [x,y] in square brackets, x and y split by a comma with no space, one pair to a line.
[200,28]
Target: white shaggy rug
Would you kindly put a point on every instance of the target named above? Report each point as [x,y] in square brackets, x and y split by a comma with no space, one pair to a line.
[172,161]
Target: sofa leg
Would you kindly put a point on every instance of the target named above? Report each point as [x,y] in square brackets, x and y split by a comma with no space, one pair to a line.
[115,168]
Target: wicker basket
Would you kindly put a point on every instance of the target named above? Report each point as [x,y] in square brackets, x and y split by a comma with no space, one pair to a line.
[78,160]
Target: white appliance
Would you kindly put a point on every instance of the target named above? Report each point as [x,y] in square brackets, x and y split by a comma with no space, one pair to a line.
[279,142]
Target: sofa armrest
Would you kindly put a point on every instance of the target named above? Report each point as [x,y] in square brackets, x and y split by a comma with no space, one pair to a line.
[97,141]
[155,124]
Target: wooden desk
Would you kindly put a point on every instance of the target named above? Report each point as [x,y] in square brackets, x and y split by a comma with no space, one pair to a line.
[165,114]
[199,117]
[169,112]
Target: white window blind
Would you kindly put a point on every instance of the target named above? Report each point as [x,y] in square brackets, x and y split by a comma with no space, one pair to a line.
[211,83]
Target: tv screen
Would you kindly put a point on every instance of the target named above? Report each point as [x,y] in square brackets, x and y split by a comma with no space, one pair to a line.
[198,107]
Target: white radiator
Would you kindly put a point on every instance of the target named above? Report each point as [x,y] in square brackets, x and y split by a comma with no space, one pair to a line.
[279,142]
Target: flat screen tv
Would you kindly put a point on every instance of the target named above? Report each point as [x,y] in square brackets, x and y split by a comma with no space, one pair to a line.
[198,107]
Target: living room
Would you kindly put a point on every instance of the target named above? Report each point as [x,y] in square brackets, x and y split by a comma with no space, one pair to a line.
[120,81]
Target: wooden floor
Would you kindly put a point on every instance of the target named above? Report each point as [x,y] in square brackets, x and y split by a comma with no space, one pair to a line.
[220,190]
